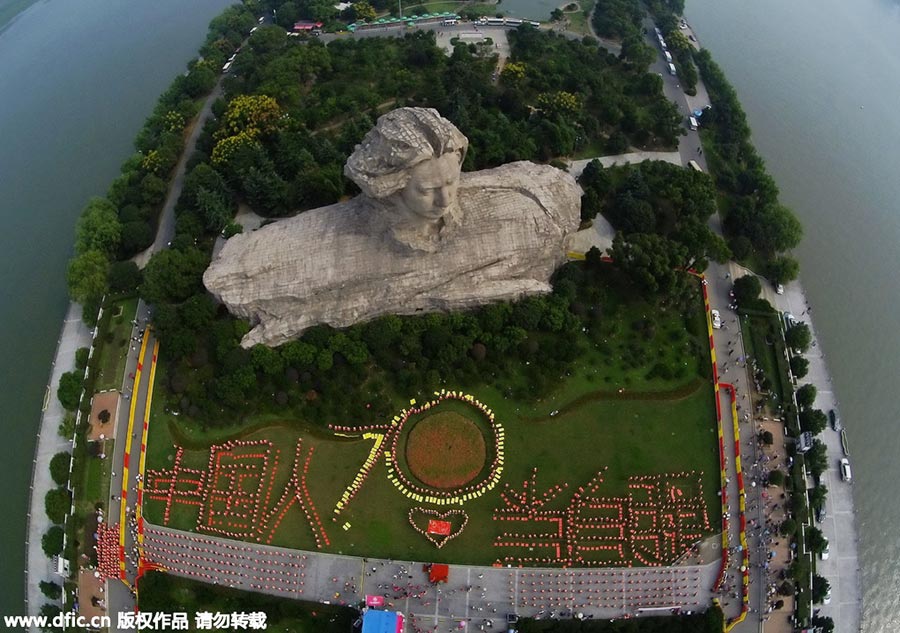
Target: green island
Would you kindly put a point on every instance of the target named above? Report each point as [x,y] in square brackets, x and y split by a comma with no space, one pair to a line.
[594,401]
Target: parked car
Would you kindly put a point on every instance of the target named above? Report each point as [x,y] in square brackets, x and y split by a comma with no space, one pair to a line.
[716,319]
[846,475]
[779,289]
[826,551]
[821,514]
[827,599]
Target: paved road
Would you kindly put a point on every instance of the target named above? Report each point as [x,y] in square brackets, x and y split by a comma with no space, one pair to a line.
[74,335]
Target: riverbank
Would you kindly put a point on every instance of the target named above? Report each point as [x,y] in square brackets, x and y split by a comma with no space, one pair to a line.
[841,569]
[74,335]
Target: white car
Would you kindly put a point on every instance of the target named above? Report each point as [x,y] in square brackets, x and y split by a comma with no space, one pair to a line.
[779,289]
[846,475]
[827,599]
[826,551]
[716,319]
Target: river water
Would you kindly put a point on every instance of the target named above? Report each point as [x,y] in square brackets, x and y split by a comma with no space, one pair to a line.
[819,82]
[77,79]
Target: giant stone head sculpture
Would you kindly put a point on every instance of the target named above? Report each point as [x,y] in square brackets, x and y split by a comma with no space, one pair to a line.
[409,165]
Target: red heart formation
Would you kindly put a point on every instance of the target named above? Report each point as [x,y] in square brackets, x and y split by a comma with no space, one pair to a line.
[419,518]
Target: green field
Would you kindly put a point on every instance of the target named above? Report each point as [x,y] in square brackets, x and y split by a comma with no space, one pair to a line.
[113,347]
[624,436]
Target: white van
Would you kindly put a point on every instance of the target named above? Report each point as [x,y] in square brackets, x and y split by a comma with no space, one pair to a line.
[672,70]
[668,56]
[846,475]
[693,123]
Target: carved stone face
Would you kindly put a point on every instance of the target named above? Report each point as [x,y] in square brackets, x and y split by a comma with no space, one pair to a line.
[430,192]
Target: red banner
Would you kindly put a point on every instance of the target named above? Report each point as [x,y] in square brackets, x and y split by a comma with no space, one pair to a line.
[441,528]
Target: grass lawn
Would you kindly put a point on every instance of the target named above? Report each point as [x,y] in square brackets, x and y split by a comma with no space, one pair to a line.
[579,20]
[114,345]
[761,335]
[626,437]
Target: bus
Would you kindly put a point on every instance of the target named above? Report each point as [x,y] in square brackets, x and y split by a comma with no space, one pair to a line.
[450,22]
[693,165]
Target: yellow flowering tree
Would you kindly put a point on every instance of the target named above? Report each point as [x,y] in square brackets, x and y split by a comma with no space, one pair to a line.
[250,114]
[226,148]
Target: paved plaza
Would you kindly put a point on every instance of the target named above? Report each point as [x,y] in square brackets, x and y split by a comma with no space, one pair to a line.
[473,594]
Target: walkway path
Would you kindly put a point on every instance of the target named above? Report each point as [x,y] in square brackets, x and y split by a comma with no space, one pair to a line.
[475,593]
[74,335]
[166,229]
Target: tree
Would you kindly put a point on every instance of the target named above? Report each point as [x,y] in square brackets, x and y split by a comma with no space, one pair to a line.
[817,497]
[82,355]
[798,337]
[173,275]
[98,228]
[746,290]
[767,438]
[820,589]
[66,428]
[824,623]
[815,540]
[363,11]
[57,504]
[799,366]
[86,277]
[556,15]
[813,420]
[59,468]
[136,236]
[214,208]
[817,459]
[788,527]
[69,390]
[782,269]
[52,541]
[652,261]
[124,276]
[776,478]
[50,589]
[806,396]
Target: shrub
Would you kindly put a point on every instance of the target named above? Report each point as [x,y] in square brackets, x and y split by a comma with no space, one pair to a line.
[776,478]
[51,590]
[57,503]
[806,396]
[799,366]
[69,390]
[81,358]
[59,468]
[52,541]
[789,527]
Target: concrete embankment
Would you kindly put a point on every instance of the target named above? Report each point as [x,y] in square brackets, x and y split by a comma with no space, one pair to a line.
[74,335]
